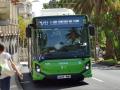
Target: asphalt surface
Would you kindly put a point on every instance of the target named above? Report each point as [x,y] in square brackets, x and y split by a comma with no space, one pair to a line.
[104,78]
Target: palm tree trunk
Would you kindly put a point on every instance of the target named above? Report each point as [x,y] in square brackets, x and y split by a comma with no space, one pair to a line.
[109,47]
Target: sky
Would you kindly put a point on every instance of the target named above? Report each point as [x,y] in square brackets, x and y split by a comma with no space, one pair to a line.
[37,6]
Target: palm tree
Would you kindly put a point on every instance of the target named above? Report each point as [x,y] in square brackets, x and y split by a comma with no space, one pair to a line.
[51,4]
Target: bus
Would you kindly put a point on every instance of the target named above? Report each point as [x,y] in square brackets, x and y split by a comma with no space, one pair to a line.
[59,47]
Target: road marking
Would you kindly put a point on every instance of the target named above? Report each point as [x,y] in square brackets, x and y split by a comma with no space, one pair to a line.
[97,79]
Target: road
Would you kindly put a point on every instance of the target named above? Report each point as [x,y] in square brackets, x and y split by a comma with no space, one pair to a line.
[104,78]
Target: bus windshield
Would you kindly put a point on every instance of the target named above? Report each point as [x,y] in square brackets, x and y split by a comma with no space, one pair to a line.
[59,43]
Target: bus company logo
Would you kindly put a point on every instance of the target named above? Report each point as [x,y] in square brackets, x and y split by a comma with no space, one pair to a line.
[79,62]
[61,63]
[62,67]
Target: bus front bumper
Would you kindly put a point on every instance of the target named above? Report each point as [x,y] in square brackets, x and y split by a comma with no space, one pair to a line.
[80,76]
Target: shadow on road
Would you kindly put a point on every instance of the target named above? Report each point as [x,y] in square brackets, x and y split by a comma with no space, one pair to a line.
[28,84]
[104,67]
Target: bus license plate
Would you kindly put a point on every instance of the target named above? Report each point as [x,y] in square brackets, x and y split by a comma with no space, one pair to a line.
[63,76]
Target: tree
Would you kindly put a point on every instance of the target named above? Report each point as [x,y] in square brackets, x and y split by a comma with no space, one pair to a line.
[22,26]
[103,14]
[51,4]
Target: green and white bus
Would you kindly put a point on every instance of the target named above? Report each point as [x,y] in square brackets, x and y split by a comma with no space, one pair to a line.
[59,47]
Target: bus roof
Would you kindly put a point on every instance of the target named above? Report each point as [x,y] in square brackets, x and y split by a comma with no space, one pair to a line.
[56,12]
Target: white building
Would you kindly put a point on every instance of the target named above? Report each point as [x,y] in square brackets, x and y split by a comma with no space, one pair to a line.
[9,30]
[25,9]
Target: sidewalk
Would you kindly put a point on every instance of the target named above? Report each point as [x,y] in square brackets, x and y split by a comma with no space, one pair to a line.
[15,85]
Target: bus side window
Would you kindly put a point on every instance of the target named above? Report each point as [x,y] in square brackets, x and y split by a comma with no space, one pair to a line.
[42,39]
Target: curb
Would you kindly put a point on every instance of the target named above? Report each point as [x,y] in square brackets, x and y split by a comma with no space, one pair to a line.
[117,65]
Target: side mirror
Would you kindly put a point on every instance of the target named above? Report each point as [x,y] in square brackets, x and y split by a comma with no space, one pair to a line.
[91,30]
[28,31]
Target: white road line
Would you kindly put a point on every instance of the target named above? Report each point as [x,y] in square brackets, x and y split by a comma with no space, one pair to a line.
[97,79]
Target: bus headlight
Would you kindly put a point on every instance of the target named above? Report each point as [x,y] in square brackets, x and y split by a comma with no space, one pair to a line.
[37,68]
[87,66]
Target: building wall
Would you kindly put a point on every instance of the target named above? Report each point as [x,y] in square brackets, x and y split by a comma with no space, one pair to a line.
[24,9]
[9,33]
[9,28]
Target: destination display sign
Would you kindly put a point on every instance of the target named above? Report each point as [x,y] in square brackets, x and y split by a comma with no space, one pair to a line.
[61,21]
